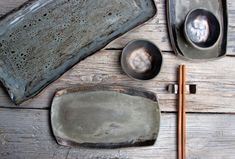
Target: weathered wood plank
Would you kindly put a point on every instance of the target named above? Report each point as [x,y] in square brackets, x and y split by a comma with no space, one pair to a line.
[212,78]
[154,30]
[215,80]
[26,134]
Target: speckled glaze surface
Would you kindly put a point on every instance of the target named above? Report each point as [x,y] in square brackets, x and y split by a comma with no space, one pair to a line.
[107,117]
[44,38]
[177,11]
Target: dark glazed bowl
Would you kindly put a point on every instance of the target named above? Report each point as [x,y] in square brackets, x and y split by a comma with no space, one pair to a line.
[141,60]
[202,29]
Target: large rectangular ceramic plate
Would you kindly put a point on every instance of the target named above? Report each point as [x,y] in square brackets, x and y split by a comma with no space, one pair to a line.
[43,38]
[105,117]
[177,11]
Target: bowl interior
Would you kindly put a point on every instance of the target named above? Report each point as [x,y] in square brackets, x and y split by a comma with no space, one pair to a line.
[202,28]
[141,60]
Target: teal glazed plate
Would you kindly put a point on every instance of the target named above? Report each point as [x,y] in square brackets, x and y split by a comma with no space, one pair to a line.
[42,39]
[105,117]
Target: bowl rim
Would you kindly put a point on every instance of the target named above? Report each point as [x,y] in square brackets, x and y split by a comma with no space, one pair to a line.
[186,34]
[123,66]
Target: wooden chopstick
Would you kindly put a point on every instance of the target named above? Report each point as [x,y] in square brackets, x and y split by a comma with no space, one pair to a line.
[181,113]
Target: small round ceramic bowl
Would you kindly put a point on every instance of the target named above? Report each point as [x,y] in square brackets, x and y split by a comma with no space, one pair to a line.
[141,60]
[202,29]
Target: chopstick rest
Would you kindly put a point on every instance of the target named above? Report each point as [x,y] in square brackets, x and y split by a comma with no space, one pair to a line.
[174,88]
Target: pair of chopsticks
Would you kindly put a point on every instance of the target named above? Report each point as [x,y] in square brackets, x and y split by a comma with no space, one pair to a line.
[181,113]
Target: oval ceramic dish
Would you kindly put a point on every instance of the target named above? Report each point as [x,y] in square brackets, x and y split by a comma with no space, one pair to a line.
[105,117]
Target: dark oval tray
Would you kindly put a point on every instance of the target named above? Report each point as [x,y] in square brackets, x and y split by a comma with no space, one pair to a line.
[105,117]
[43,38]
[177,11]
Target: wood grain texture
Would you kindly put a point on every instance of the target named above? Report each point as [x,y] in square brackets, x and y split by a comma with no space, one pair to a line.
[154,30]
[215,82]
[26,134]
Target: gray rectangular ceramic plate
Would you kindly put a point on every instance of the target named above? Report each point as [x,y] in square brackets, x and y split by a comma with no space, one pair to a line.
[105,117]
[176,13]
[43,38]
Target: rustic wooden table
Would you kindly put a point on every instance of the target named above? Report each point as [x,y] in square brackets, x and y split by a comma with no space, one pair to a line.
[25,130]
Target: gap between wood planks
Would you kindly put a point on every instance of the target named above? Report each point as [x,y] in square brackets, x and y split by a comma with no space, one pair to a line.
[163,51]
[164,112]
